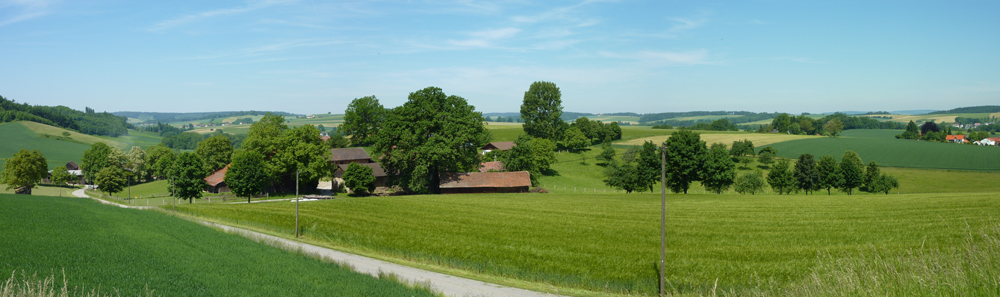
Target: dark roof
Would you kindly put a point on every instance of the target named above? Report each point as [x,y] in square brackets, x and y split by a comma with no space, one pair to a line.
[72,166]
[377,170]
[485,180]
[487,166]
[499,145]
[347,154]
[217,177]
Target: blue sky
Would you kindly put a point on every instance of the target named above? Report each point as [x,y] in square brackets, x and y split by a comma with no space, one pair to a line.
[606,56]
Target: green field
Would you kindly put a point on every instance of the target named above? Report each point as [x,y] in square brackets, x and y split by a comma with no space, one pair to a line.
[122,252]
[135,138]
[881,146]
[57,152]
[609,243]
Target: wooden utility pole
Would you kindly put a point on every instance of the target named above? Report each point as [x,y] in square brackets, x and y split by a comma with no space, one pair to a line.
[663,213]
[296,203]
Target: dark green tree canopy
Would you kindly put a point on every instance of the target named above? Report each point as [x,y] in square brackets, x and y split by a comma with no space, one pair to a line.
[431,133]
[159,159]
[719,170]
[360,179]
[246,175]
[542,110]
[750,182]
[852,172]
[829,174]
[806,175]
[61,176]
[686,155]
[363,119]
[111,179]
[215,152]
[24,170]
[94,159]
[781,178]
[189,176]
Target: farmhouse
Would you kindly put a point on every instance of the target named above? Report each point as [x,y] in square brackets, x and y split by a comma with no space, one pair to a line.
[498,145]
[347,155]
[955,138]
[992,141]
[217,181]
[381,178]
[485,182]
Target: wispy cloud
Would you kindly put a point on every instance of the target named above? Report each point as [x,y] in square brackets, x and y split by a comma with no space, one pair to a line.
[214,13]
[25,10]
[684,24]
[563,13]
[693,57]
[267,49]
[486,38]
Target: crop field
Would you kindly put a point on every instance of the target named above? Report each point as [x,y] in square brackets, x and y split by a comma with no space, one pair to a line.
[601,244]
[881,146]
[938,118]
[125,251]
[16,137]
[504,131]
[609,119]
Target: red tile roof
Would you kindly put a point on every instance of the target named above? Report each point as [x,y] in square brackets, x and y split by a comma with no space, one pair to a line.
[954,137]
[324,137]
[487,166]
[217,177]
[485,180]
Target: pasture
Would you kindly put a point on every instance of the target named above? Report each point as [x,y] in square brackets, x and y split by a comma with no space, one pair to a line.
[600,244]
[124,252]
[881,146]
[17,136]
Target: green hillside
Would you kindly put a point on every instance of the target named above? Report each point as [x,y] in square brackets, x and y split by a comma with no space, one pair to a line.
[123,252]
[16,136]
[881,146]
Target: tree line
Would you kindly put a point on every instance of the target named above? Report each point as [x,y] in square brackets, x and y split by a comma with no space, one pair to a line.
[86,122]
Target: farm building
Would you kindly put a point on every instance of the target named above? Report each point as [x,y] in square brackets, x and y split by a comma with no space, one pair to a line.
[72,166]
[217,181]
[381,178]
[992,141]
[347,155]
[955,138]
[498,145]
[485,182]
[495,166]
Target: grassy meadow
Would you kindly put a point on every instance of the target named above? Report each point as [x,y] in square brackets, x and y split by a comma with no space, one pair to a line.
[17,136]
[882,147]
[126,252]
[600,244]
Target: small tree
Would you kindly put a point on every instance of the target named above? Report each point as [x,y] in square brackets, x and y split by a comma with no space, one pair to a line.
[750,182]
[806,175]
[111,179]
[159,159]
[885,183]
[780,178]
[833,127]
[24,170]
[719,170]
[872,178]
[851,170]
[649,165]
[61,176]
[607,153]
[766,158]
[829,174]
[686,155]
[623,176]
[360,179]
[189,173]
[246,175]
[337,140]
[575,140]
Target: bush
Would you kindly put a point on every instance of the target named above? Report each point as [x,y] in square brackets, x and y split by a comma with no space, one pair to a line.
[360,179]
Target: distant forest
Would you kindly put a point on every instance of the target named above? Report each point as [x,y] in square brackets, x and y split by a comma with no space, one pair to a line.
[971,109]
[166,117]
[86,122]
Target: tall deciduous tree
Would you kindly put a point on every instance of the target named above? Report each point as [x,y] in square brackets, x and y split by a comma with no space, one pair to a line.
[781,178]
[111,179]
[623,176]
[750,182]
[871,178]
[430,134]
[648,165]
[24,170]
[542,110]
[685,159]
[159,159]
[61,176]
[189,176]
[303,152]
[94,159]
[363,119]
[359,179]
[852,171]
[575,140]
[246,175]
[829,174]
[719,170]
[806,174]
[533,155]
[265,138]
[833,127]
[135,163]
[215,152]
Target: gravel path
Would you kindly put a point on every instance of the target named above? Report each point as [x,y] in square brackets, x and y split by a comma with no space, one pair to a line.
[447,284]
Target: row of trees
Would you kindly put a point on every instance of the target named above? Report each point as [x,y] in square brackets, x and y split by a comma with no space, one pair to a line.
[809,176]
[930,131]
[87,122]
